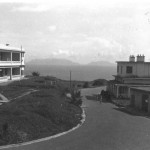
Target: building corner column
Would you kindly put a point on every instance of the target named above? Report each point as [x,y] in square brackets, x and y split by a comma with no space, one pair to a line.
[11,73]
[117,91]
[11,57]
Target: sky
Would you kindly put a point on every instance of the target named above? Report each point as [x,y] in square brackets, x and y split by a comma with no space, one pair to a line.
[79,30]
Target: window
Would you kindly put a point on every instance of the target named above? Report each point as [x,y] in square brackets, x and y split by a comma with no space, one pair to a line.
[129,69]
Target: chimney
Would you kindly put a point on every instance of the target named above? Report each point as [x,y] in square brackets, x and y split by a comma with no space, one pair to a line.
[132,58]
[140,58]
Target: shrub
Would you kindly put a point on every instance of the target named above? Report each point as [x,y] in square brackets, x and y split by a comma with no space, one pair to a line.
[50,78]
[64,91]
[76,99]
[5,127]
[99,82]
[86,85]
[35,74]
[106,96]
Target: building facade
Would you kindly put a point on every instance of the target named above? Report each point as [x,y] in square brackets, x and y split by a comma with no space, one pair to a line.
[132,73]
[11,63]
[140,98]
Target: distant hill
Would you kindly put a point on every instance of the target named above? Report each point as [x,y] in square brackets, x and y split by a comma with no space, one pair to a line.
[52,62]
[65,62]
[79,72]
[101,63]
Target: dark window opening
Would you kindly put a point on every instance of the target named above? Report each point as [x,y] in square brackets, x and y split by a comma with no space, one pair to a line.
[15,56]
[129,69]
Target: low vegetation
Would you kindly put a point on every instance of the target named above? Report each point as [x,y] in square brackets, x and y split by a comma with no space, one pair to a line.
[99,82]
[39,114]
[86,85]
[35,74]
[94,83]
[76,98]
[106,96]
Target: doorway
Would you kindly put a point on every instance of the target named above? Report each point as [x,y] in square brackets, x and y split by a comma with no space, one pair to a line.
[145,102]
[132,101]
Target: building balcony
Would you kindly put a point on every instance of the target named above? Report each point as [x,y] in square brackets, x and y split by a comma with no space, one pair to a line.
[10,63]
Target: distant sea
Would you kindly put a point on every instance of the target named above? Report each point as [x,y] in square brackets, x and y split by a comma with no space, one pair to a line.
[80,73]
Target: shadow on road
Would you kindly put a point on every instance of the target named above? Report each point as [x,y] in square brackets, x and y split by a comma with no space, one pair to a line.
[91,97]
[132,111]
[94,98]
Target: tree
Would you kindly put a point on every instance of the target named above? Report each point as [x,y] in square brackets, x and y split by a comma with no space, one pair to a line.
[97,83]
[35,74]
[86,85]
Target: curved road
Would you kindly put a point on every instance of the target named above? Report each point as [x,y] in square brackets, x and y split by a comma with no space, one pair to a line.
[105,128]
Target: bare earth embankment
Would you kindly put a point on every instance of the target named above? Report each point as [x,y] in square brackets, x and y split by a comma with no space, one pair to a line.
[38,114]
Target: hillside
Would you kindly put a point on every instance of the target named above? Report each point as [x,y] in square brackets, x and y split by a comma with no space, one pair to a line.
[52,62]
[101,63]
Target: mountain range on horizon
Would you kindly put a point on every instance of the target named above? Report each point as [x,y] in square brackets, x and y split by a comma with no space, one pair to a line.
[101,63]
[65,62]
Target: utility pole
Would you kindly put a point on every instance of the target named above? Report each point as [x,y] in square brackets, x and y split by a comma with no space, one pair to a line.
[21,59]
[70,83]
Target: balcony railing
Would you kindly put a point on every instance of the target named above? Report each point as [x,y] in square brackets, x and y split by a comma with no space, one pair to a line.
[4,77]
[2,63]
[9,61]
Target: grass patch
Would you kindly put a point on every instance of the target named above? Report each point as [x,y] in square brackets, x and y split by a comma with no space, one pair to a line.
[39,114]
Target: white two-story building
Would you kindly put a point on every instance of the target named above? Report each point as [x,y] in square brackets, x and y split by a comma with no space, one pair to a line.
[11,63]
[132,73]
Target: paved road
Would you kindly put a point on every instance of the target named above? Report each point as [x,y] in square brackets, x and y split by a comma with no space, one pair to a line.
[105,128]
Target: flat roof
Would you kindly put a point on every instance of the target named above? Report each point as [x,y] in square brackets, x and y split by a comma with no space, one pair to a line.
[132,77]
[145,89]
[133,62]
[148,78]
[10,48]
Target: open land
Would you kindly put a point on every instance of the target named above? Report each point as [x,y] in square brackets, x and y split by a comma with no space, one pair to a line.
[38,108]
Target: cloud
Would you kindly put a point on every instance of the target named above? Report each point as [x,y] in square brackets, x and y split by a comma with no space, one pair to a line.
[108,33]
[60,52]
[101,41]
[31,8]
[85,3]
[98,48]
[95,42]
[52,28]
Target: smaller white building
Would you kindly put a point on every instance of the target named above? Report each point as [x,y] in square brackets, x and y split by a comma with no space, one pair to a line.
[11,62]
[132,73]
[133,69]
